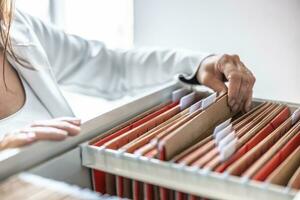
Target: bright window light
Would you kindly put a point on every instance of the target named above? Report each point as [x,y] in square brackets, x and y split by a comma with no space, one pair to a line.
[110,21]
[37,8]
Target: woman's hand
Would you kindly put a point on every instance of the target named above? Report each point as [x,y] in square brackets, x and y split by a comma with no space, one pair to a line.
[215,70]
[54,130]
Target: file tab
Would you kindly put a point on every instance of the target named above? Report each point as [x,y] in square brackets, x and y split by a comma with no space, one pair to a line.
[228,150]
[221,126]
[295,116]
[230,137]
[223,133]
[187,100]
[195,106]
[209,100]
[178,94]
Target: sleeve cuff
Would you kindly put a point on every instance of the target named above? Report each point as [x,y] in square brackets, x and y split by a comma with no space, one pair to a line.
[192,79]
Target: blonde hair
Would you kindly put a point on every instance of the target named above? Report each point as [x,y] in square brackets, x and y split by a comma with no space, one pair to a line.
[6,16]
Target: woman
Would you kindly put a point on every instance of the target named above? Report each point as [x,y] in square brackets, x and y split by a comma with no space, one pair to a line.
[37,58]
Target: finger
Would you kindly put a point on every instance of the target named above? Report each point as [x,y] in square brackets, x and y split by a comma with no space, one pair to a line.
[244,91]
[18,140]
[73,120]
[249,75]
[249,92]
[236,59]
[248,102]
[47,133]
[230,70]
[214,83]
[63,125]
[234,79]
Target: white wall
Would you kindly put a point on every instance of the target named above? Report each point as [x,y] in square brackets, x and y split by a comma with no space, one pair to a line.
[108,21]
[265,33]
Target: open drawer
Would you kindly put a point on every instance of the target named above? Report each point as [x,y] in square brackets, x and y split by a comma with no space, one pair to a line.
[191,180]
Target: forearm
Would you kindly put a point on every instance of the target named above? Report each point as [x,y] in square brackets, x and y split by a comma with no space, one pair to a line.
[144,67]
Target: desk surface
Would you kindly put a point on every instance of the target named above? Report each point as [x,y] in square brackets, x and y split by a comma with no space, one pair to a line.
[28,186]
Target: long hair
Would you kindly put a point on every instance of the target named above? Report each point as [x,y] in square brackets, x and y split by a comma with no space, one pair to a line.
[6,16]
[6,12]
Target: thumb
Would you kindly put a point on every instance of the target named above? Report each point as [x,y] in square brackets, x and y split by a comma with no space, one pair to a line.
[214,83]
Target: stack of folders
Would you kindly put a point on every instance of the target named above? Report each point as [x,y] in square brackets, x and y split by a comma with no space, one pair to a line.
[202,132]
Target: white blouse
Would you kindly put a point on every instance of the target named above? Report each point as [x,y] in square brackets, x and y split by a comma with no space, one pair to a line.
[32,110]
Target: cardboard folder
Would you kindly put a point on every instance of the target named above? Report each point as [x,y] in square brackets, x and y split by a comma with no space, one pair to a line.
[99,177]
[294,182]
[199,149]
[242,116]
[262,116]
[245,119]
[266,141]
[122,183]
[144,189]
[191,154]
[277,159]
[263,133]
[150,142]
[242,164]
[144,139]
[140,145]
[132,134]
[282,174]
[130,124]
[213,152]
[196,129]
[136,137]
[138,131]
[260,125]
[250,172]
[250,129]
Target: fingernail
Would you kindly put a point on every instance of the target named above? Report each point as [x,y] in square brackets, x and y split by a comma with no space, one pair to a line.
[31,136]
[77,120]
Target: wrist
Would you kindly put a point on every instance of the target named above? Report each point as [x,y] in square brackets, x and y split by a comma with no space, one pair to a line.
[207,63]
[192,78]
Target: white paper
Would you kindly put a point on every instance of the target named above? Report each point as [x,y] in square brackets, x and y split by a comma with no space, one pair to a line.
[187,100]
[195,106]
[178,94]
[221,126]
[228,150]
[230,137]
[223,133]
[295,116]
[209,100]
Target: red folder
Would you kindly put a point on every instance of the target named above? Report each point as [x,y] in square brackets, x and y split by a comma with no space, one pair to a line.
[275,123]
[148,188]
[99,176]
[211,159]
[272,164]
